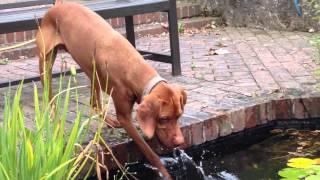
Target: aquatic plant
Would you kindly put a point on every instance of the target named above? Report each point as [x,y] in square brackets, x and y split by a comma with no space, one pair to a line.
[48,150]
[301,168]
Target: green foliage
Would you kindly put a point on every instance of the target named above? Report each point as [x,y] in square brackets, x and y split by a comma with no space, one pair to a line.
[315,41]
[301,168]
[180,27]
[315,8]
[4,61]
[45,152]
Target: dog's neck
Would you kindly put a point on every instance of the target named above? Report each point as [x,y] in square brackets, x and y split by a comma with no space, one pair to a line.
[149,86]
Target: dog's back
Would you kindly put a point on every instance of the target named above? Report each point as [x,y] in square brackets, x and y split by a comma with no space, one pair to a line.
[87,37]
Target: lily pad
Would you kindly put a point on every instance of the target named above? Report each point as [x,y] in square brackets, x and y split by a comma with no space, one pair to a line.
[315,168]
[313,177]
[292,173]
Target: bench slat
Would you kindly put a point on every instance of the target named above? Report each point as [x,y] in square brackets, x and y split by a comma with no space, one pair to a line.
[118,8]
[20,20]
[23,20]
[25,4]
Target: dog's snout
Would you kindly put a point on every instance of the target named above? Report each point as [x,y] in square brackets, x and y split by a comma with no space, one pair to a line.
[178,140]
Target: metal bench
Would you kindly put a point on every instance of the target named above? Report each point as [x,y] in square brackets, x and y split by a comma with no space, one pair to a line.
[21,16]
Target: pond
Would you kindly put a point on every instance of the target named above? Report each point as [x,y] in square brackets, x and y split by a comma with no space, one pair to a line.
[257,153]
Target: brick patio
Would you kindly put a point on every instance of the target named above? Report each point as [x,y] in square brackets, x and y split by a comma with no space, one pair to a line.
[236,78]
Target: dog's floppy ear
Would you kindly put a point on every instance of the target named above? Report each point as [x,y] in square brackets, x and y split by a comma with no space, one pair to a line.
[183,95]
[183,98]
[147,113]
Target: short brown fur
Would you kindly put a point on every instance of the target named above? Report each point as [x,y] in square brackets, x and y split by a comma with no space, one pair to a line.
[90,40]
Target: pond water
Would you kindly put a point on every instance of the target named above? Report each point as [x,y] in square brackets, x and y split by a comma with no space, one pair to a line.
[256,154]
[264,159]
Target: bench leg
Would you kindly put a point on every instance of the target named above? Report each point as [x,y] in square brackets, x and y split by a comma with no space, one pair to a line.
[130,30]
[174,38]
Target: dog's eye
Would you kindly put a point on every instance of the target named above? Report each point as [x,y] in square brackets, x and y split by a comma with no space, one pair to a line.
[163,120]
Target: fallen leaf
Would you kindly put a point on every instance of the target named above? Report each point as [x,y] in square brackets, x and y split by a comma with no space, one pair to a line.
[212,52]
[276,131]
[304,143]
[317,161]
[220,44]
[222,51]
[165,25]
[311,30]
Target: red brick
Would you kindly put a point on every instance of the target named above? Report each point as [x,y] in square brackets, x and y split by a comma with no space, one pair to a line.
[225,125]
[312,105]
[121,21]
[108,21]
[155,16]
[20,36]
[283,109]
[114,22]
[211,130]
[295,69]
[263,114]
[2,39]
[298,109]
[196,10]
[186,131]
[271,111]
[185,11]
[143,18]
[285,58]
[163,17]
[197,133]
[251,116]
[29,35]
[238,120]
[179,12]
[264,79]
[136,19]
[10,38]
[149,17]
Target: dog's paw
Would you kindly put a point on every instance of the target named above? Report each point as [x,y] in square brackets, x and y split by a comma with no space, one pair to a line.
[112,123]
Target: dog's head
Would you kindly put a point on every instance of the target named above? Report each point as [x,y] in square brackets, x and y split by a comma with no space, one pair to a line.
[159,112]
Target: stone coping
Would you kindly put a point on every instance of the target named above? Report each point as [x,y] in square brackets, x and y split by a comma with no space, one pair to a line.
[205,127]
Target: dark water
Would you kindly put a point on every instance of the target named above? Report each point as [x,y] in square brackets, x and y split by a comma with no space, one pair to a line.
[257,155]
[261,160]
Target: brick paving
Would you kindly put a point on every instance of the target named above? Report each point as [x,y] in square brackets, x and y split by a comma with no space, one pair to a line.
[223,70]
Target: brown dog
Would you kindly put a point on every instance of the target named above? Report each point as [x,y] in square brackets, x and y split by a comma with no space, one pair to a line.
[88,38]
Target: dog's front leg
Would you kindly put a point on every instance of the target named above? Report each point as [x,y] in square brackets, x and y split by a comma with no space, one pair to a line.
[152,157]
[124,108]
[96,104]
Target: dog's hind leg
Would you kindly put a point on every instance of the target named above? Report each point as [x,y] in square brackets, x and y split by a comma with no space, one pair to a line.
[95,100]
[47,40]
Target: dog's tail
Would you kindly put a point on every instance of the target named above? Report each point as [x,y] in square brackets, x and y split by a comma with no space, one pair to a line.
[58,2]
